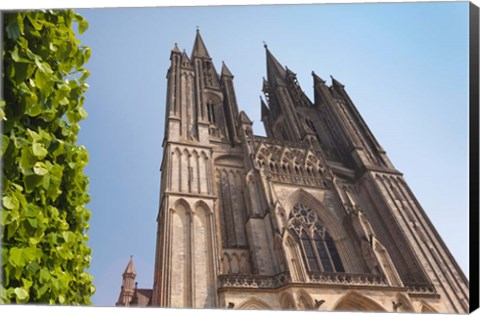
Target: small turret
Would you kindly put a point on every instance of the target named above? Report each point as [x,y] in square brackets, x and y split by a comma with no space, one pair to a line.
[127,289]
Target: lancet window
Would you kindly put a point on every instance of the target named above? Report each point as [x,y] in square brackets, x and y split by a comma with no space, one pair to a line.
[317,246]
[211,112]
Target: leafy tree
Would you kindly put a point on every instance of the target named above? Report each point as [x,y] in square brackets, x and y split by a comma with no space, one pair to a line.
[44,220]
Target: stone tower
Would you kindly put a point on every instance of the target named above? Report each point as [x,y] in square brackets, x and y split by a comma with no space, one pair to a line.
[313,216]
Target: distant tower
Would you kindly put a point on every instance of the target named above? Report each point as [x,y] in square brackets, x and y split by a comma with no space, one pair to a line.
[312,217]
[128,282]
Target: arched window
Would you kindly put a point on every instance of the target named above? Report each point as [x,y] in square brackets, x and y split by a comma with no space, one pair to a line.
[318,247]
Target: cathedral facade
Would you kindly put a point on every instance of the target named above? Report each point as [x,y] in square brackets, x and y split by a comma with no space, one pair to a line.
[314,216]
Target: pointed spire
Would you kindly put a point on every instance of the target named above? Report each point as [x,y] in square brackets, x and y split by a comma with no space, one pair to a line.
[199,49]
[317,79]
[335,83]
[275,71]
[290,72]
[244,118]
[225,71]
[175,49]
[130,270]
[265,110]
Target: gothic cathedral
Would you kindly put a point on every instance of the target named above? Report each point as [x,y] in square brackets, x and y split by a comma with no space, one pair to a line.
[312,217]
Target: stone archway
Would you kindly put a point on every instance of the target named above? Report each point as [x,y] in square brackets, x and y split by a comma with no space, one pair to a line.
[354,301]
[426,308]
[254,304]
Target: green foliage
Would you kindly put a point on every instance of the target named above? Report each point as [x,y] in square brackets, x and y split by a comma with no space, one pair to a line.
[44,220]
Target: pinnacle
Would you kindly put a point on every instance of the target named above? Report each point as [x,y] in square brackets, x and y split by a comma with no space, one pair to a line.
[225,71]
[336,83]
[290,72]
[130,269]
[185,57]
[244,118]
[175,48]
[317,79]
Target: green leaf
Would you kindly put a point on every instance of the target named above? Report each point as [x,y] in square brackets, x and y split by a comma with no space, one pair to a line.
[68,236]
[17,187]
[43,81]
[33,222]
[32,181]
[16,56]
[45,136]
[21,198]
[53,47]
[56,148]
[43,289]
[73,116]
[21,294]
[82,23]
[5,142]
[34,108]
[82,112]
[27,283]
[27,159]
[43,66]
[21,27]
[88,53]
[44,275]
[34,135]
[85,75]
[40,169]
[32,267]
[13,30]
[10,202]
[64,101]
[16,257]
[39,150]
[64,225]
[12,227]
[36,22]
[21,72]
[32,253]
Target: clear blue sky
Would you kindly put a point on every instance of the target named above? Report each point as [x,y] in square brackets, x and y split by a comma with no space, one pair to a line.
[404,65]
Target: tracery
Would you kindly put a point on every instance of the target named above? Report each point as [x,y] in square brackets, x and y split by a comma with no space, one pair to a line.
[318,247]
